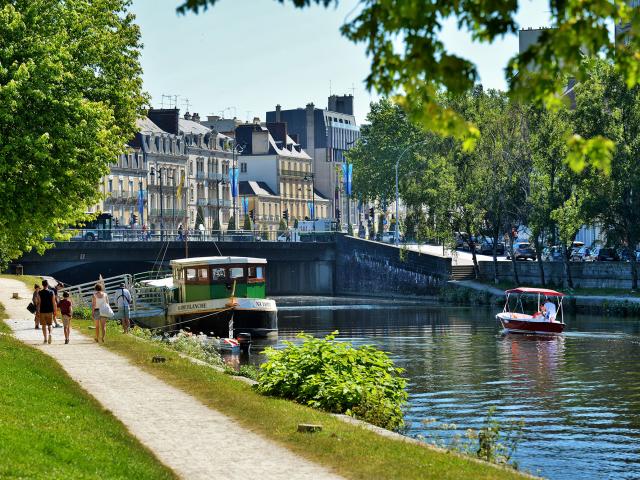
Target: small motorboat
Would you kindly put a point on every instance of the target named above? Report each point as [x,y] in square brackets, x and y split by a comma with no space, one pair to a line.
[548,321]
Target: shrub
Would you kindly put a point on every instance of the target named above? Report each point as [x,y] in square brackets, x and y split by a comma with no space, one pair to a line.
[334,376]
[183,342]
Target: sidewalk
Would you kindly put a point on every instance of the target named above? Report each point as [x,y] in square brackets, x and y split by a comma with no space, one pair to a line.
[193,440]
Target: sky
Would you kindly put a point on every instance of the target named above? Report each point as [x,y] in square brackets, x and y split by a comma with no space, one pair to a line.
[242,57]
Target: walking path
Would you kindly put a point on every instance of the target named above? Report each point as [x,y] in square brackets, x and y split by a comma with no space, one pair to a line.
[195,441]
[581,300]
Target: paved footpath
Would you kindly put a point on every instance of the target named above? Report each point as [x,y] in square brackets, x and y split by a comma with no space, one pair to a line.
[194,440]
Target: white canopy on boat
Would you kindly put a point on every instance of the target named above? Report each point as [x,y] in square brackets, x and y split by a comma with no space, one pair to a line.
[166,282]
[190,262]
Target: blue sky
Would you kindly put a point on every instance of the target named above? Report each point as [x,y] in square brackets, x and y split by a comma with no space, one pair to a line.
[242,57]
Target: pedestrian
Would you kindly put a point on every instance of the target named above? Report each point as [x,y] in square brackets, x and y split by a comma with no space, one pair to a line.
[180,232]
[98,300]
[48,308]
[123,301]
[54,289]
[66,310]
[34,300]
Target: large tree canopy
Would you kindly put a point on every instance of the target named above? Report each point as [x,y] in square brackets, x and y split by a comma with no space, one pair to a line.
[70,92]
[424,66]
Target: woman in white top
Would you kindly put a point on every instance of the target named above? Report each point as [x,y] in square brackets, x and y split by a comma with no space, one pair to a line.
[98,300]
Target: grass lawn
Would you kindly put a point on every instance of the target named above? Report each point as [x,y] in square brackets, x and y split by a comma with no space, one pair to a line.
[52,429]
[350,450]
[28,280]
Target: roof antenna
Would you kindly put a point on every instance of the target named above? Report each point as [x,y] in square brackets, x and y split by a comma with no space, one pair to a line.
[329,87]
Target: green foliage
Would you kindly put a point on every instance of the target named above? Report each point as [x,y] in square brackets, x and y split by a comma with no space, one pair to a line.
[216,225]
[336,377]
[282,227]
[70,93]
[295,223]
[419,67]
[350,229]
[494,442]
[232,223]
[247,223]
[183,342]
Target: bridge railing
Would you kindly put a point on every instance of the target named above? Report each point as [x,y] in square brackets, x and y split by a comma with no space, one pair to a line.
[167,235]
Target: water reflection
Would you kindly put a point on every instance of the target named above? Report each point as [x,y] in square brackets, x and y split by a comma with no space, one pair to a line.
[578,394]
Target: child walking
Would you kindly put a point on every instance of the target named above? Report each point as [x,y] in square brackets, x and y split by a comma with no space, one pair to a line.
[66,310]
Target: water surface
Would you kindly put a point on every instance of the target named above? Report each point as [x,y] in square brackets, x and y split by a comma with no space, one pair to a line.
[579,394]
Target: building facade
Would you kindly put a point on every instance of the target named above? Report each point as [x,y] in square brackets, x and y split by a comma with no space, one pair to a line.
[271,156]
[326,135]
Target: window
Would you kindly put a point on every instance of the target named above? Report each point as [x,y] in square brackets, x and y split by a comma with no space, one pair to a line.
[110,185]
[203,273]
[131,185]
[243,167]
[191,274]
[218,274]
[120,186]
[236,272]
[255,273]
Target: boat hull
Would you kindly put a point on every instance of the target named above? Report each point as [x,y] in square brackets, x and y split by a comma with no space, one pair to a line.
[259,317]
[537,327]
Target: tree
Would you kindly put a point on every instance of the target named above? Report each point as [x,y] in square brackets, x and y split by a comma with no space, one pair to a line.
[199,217]
[606,106]
[232,223]
[421,67]
[247,223]
[70,93]
[216,225]
[282,227]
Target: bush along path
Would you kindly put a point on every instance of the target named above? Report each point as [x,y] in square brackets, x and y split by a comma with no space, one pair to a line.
[195,441]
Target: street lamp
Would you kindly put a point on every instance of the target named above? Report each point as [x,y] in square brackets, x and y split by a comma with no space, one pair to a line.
[153,174]
[396,236]
[312,177]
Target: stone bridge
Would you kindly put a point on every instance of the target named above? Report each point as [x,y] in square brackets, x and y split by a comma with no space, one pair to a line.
[343,266]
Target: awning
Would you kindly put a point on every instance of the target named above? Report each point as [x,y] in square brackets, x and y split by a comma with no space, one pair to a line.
[536,291]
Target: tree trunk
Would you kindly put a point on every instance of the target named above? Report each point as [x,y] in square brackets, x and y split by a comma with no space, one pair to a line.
[472,247]
[514,264]
[536,242]
[567,281]
[495,256]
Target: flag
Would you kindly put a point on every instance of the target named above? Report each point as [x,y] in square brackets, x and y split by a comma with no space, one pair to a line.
[245,205]
[141,204]
[310,207]
[233,176]
[180,185]
[347,172]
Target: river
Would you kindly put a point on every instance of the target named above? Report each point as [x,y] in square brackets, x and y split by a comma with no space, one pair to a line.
[579,394]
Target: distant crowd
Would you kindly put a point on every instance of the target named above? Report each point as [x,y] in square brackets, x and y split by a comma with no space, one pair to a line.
[48,307]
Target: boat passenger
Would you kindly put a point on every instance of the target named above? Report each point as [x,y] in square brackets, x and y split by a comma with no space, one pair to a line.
[549,309]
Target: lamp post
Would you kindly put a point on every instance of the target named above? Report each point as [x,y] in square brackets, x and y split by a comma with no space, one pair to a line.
[153,174]
[396,236]
[312,177]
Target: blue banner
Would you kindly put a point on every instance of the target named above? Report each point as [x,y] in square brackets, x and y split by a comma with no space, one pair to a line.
[233,177]
[310,207]
[347,175]
[141,204]
[245,205]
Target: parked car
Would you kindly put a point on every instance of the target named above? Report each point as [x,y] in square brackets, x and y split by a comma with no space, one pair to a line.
[552,254]
[460,239]
[468,240]
[584,254]
[606,255]
[575,248]
[485,247]
[522,251]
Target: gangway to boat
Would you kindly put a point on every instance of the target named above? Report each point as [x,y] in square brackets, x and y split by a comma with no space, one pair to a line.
[146,300]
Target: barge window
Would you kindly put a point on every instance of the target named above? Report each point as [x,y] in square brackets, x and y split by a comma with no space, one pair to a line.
[191,274]
[203,273]
[255,273]
[218,273]
[236,272]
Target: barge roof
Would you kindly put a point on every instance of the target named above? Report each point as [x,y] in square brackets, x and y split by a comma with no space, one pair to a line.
[190,262]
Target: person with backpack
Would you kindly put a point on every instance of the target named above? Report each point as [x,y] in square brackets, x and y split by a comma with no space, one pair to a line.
[34,301]
[101,311]
[123,301]
[48,308]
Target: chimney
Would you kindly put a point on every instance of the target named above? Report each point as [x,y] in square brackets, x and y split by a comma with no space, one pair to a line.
[196,117]
[187,116]
[278,112]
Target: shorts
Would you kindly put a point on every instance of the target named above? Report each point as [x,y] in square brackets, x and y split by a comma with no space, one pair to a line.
[66,320]
[46,318]
[96,315]
[123,312]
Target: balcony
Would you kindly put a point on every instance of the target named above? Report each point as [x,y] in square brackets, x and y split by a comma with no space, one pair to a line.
[202,176]
[293,173]
[201,202]
[167,213]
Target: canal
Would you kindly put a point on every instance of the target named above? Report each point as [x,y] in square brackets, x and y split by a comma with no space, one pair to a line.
[579,395]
